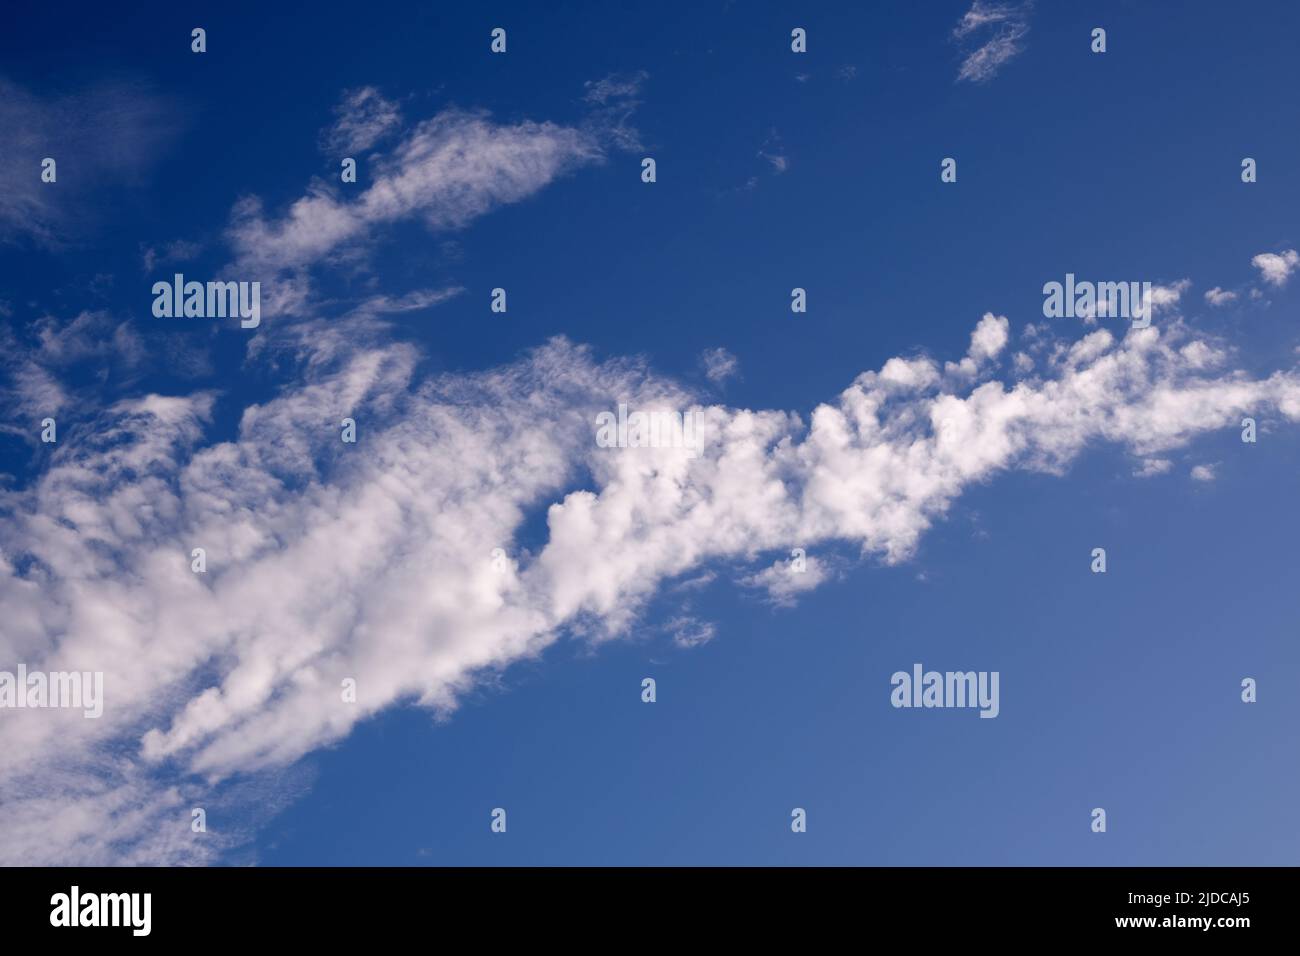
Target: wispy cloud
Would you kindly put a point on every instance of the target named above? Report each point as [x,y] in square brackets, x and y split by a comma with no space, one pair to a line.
[719,365]
[688,632]
[319,555]
[616,87]
[110,133]
[36,359]
[999,29]
[612,101]
[446,172]
[178,250]
[362,118]
[772,152]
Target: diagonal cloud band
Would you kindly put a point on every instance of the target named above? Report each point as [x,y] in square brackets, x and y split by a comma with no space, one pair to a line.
[375,561]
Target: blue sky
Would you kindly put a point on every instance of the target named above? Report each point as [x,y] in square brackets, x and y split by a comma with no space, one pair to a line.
[519,686]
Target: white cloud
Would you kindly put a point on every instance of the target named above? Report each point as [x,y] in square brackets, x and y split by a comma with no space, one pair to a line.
[1276,268]
[30,392]
[374,561]
[362,118]
[784,583]
[34,360]
[410,302]
[986,343]
[612,101]
[772,151]
[1220,297]
[688,632]
[615,87]
[1199,355]
[1008,24]
[983,14]
[90,335]
[446,172]
[322,557]
[719,365]
[915,373]
[1151,467]
[1166,298]
[1203,473]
